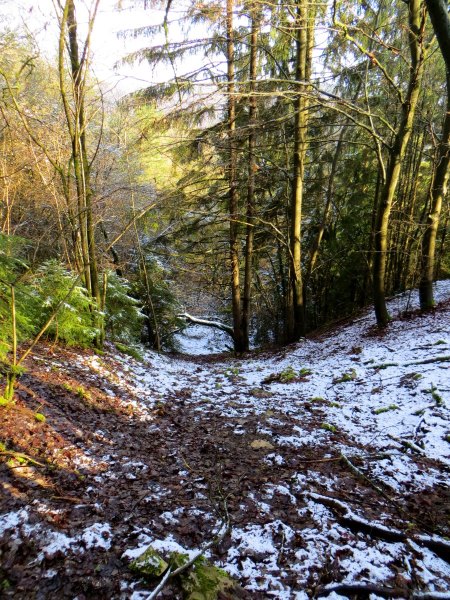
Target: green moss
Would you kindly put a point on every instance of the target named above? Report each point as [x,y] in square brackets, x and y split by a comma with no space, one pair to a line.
[304,372]
[205,581]
[349,376]
[437,398]
[201,581]
[288,374]
[335,404]
[178,559]
[82,393]
[383,409]
[149,564]
[328,427]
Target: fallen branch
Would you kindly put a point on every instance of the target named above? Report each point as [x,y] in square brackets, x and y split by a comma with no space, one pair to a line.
[438,545]
[207,323]
[427,361]
[408,444]
[169,574]
[161,584]
[361,475]
[379,590]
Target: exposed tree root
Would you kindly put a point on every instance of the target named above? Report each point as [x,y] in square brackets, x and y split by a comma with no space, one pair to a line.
[363,590]
[438,545]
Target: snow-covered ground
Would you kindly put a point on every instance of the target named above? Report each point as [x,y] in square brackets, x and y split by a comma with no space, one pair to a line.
[378,401]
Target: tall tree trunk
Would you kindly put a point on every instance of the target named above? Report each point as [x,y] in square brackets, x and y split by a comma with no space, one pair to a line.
[438,193]
[239,341]
[304,33]
[416,27]
[76,124]
[441,23]
[252,167]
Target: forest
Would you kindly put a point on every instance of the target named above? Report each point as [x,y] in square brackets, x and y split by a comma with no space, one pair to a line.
[295,174]
[275,172]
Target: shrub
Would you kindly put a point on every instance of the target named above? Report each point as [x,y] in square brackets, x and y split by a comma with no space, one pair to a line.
[124,319]
[73,323]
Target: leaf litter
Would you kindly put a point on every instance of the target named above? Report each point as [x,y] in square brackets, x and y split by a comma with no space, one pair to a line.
[335,482]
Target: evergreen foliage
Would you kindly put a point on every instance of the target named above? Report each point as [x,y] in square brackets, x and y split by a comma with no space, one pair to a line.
[124,318]
[73,321]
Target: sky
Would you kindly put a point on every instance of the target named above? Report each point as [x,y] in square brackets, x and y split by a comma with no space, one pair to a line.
[108,46]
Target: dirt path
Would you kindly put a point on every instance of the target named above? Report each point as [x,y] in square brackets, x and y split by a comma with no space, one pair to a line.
[306,501]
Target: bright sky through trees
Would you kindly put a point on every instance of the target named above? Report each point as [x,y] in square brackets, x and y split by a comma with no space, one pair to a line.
[108,45]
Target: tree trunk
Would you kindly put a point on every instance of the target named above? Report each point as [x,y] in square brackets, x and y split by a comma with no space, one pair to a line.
[396,155]
[441,23]
[438,193]
[239,341]
[304,32]
[252,167]
[76,123]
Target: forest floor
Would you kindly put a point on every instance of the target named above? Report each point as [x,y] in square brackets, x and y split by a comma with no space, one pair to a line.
[330,459]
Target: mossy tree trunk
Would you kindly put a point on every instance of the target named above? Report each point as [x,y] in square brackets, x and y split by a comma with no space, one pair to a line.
[416,17]
[249,241]
[75,114]
[240,343]
[304,40]
[441,23]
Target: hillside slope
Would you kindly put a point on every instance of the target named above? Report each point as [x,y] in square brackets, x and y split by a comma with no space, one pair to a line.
[331,460]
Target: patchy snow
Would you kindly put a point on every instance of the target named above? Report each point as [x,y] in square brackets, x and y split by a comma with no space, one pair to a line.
[198,340]
[382,400]
[52,542]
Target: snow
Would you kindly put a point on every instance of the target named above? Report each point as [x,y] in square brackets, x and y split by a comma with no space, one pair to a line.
[51,541]
[351,403]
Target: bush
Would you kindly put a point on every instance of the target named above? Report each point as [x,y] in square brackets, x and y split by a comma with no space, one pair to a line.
[124,319]
[73,323]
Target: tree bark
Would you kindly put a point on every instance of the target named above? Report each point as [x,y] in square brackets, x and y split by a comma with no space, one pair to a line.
[239,341]
[441,23]
[304,32]
[416,18]
[252,167]
[76,124]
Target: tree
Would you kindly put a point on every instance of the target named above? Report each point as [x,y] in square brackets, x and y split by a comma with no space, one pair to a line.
[438,11]
[416,21]
[76,120]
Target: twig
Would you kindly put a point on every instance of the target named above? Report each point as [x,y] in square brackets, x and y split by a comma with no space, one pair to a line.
[338,458]
[361,475]
[169,574]
[408,444]
[68,499]
[161,584]
[427,361]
